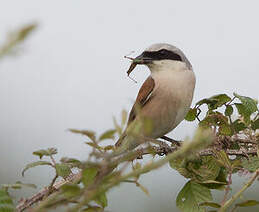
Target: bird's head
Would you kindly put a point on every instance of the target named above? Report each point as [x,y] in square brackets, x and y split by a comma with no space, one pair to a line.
[161,56]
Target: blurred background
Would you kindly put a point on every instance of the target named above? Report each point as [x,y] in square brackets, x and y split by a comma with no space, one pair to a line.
[71,74]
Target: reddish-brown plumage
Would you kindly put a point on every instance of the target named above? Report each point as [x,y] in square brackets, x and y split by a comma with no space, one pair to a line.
[142,98]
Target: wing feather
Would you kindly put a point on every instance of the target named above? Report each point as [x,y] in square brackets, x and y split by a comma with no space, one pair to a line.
[144,95]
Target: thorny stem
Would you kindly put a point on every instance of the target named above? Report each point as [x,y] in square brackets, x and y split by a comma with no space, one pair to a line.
[227,188]
[228,203]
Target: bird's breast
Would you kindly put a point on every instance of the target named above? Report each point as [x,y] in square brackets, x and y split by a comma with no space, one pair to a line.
[173,94]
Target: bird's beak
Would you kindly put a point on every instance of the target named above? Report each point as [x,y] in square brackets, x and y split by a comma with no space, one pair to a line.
[142,59]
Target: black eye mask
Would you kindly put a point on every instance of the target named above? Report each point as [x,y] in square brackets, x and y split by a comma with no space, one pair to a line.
[162,54]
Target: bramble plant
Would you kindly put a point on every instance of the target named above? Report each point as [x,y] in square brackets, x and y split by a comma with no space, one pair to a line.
[225,143]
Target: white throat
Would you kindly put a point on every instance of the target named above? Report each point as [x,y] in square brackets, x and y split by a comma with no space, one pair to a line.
[167,65]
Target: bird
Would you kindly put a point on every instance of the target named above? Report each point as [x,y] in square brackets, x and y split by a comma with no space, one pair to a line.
[163,99]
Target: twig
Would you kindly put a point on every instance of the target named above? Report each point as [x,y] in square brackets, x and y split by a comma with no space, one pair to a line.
[159,150]
[178,143]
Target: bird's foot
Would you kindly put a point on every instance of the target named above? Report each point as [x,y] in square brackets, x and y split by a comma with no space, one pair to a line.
[178,143]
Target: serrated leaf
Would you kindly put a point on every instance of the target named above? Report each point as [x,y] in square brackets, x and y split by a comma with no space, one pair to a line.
[255,124]
[252,164]
[70,190]
[109,134]
[90,134]
[202,169]
[221,100]
[229,110]
[34,164]
[45,152]
[88,176]
[249,103]
[248,203]
[72,162]
[191,115]
[220,181]
[211,204]
[215,101]
[191,195]
[223,159]
[63,170]
[238,125]
[225,129]
[102,200]
[18,185]
[206,101]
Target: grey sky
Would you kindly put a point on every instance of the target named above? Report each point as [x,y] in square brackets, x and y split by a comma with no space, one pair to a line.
[72,74]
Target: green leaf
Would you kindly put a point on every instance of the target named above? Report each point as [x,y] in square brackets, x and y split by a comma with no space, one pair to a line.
[255,124]
[63,170]
[191,195]
[34,164]
[206,101]
[248,203]
[211,204]
[88,176]
[229,110]
[18,185]
[217,119]
[249,103]
[102,200]
[72,162]
[90,134]
[6,202]
[225,129]
[107,135]
[94,145]
[223,159]
[70,190]
[220,181]
[215,101]
[191,115]
[252,164]
[221,100]
[238,125]
[45,152]
[246,107]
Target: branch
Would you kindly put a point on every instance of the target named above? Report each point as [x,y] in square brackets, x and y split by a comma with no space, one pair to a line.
[162,149]
[24,204]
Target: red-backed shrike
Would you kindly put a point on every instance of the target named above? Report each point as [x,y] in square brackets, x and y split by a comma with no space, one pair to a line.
[164,98]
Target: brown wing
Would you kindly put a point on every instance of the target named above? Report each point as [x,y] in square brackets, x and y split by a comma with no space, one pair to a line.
[143,97]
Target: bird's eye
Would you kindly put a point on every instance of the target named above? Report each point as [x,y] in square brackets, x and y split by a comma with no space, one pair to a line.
[162,51]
